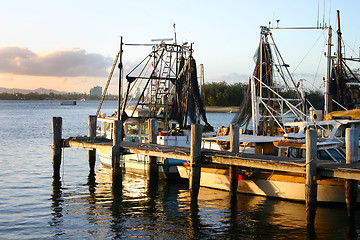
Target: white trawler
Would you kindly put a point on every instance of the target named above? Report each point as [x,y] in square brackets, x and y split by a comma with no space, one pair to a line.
[164,86]
[274,131]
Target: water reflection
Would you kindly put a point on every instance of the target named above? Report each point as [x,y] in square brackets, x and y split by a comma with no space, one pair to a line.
[56,206]
[164,210]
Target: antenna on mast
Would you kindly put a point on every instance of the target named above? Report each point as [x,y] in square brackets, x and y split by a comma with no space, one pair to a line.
[317,22]
[174,34]
[324,15]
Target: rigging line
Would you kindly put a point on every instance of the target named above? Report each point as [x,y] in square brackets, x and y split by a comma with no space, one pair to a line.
[133,85]
[287,70]
[148,56]
[317,69]
[281,62]
[308,52]
[352,50]
[351,71]
[107,83]
[147,83]
[280,71]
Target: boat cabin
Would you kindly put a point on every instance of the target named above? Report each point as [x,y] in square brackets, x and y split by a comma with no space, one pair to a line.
[297,149]
[325,129]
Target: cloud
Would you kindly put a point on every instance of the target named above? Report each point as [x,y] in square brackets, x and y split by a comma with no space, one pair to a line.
[61,63]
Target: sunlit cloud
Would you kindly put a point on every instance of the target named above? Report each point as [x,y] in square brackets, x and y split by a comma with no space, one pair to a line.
[61,63]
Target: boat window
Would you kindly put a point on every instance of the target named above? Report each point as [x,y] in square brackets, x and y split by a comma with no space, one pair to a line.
[323,155]
[329,128]
[132,128]
[341,131]
[106,130]
[295,152]
[338,157]
[144,128]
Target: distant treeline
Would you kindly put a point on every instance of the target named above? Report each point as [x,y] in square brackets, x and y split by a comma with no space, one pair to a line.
[40,96]
[224,94]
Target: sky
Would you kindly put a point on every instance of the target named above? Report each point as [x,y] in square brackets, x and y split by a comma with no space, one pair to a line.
[70,45]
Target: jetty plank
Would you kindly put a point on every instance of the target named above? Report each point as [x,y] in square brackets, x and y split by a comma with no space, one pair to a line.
[266,162]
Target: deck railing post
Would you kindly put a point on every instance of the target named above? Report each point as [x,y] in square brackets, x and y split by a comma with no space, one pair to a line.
[311,171]
[351,186]
[195,161]
[92,134]
[234,148]
[115,156]
[56,145]
[153,169]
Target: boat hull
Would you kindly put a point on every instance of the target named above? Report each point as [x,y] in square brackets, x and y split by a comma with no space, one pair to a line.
[138,164]
[278,185]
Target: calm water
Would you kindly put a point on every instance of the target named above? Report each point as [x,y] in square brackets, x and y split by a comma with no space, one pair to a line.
[32,206]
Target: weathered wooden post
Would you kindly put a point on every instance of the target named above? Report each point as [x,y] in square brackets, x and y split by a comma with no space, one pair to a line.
[153,169]
[351,186]
[92,134]
[56,145]
[311,171]
[234,147]
[115,156]
[195,161]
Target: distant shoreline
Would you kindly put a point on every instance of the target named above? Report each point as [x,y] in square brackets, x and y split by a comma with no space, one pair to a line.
[222,109]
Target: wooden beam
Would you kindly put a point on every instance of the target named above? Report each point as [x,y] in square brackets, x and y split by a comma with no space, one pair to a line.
[332,170]
[56,145]
[115,156]
[311,174]
[87,145]
[153,168]
[233,169]
[351,186]
[92,134]
[255,161]
[195,164]
[344,173]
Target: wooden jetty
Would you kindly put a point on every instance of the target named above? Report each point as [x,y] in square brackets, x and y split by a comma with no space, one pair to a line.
[311,168]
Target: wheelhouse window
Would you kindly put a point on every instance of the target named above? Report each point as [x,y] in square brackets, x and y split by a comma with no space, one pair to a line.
[341,131]
[338,157]
[144,128]
[106,130]
[327,130]
[323,155]
[132,128]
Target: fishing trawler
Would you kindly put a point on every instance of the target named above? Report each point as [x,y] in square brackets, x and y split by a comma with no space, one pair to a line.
[264,105]
[170,94]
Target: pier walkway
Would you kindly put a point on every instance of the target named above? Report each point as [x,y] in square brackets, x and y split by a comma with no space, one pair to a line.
[325,169]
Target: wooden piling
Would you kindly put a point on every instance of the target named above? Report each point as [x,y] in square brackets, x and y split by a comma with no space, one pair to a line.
[115,156]
[351,186]
[195,161]
[311,184]
[234,147]
[153,169]
[56,145]
[92,134]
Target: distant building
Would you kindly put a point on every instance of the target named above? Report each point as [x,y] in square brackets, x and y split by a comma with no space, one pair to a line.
[96,91]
